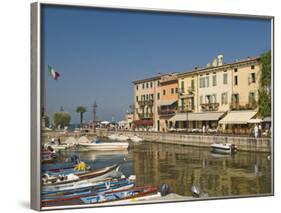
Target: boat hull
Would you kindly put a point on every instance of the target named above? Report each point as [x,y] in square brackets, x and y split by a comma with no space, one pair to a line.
[105,146]
[91,176]
[223,148]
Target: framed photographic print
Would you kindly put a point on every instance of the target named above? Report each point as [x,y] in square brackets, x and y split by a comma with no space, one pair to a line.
[137,106]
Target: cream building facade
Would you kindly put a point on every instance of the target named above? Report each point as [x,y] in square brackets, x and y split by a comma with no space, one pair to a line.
[146,102]
[205,96]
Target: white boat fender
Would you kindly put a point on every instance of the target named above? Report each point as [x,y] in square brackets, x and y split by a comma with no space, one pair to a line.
[164,189]
[196,192]
[132,177]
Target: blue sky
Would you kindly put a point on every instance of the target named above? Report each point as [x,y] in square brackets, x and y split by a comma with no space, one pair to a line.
[100,52]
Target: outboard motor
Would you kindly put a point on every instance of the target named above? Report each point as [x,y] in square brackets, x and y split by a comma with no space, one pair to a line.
[50,148]
[75,159]
[196,191]
[233,148]
[164,189]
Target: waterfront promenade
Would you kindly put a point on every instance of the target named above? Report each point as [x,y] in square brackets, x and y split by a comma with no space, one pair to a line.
[198,140]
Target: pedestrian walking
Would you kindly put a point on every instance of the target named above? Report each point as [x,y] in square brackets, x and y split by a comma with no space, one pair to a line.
[256,131]
[260,130]
[203,129]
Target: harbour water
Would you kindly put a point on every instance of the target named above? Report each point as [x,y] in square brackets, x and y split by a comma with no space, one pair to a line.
[245,173]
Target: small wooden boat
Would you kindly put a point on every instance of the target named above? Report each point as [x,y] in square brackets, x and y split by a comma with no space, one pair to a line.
[59,168]
[78,194]
[223,148]
[93,175]
[101,146]
[77,185]
[120,195]
[104,183]
[47,159]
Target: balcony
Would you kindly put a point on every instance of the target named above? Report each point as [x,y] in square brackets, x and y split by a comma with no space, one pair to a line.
[188,93]
[167,112]
[145,115]
[187,108]
[145,102]
[210,107]
[243,106]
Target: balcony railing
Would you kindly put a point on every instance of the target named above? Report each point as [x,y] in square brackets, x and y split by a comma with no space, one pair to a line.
[187,108]
[243,106]
[145,115]
[145,102]
[210,107]
[167,112]
[189,92]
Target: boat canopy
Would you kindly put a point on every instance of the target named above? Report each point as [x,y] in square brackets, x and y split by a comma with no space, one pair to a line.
[200,116]
[238,117]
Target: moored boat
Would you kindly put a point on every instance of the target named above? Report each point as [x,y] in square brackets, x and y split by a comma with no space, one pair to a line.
[122,137]
[113,137]
[101,146]
[81,184]
[120,195]
[223,148]
[92,191]
[93,175]
[136,139]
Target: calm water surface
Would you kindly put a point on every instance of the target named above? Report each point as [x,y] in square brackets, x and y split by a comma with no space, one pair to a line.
[245,173]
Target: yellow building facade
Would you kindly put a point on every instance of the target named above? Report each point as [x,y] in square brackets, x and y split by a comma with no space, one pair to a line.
[168,100]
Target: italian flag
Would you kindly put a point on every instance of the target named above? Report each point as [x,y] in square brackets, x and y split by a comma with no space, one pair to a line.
[53,73]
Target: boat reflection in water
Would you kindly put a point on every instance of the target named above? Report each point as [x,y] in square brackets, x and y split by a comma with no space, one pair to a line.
[181,167]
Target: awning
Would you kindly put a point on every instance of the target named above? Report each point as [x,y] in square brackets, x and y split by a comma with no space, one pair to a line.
[200,116]
[238,117]
[166,103]
[179,117]
[267,119]
[254,121]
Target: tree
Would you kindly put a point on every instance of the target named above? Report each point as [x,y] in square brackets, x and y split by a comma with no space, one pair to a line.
[81,110]
[61,119]
[46,120]
[265,85]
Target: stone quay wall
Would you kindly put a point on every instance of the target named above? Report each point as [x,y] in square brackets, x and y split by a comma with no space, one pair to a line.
[199,140]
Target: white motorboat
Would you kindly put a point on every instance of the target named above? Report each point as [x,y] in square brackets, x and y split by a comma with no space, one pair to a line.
[113,137]
[122,137]
[225,148]
[136,139]
[58,147]
[102,146]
